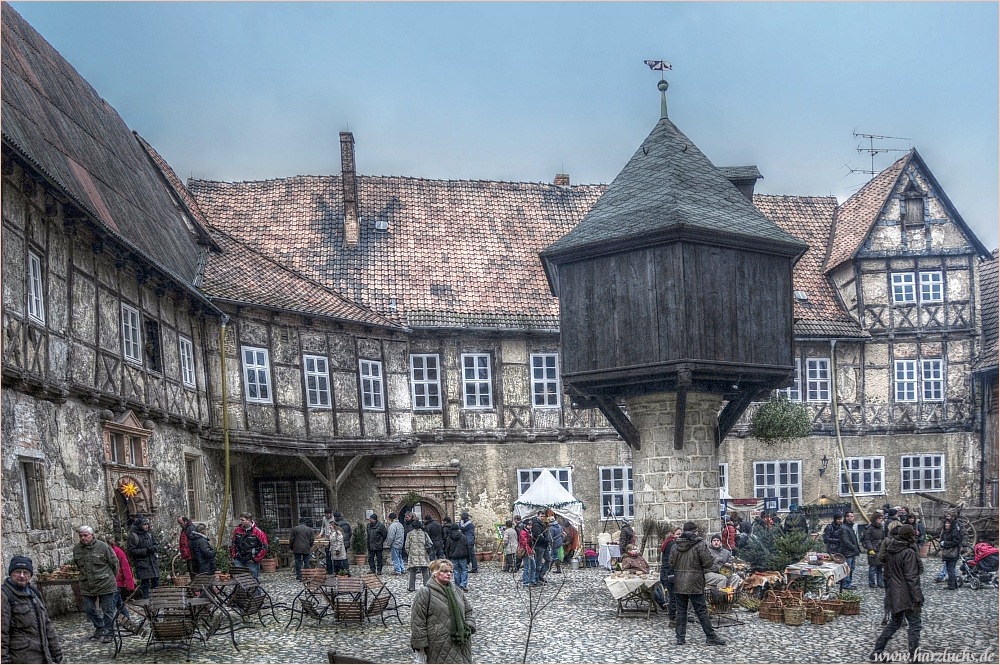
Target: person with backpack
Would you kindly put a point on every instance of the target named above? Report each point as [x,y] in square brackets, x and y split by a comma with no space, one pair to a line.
[540,544]
[556,535]
[456,548]
[468,528]
[202,552]
[433,529]
[249,545]
[417,545]
[142,547]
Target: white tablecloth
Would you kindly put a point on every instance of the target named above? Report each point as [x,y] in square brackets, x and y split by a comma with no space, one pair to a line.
[606,554]
[830,571]
[623,586]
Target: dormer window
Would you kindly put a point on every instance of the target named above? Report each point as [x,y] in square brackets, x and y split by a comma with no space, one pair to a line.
[912,206]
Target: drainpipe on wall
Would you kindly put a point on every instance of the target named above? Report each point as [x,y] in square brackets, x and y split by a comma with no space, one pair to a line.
[225,435]
[836,428]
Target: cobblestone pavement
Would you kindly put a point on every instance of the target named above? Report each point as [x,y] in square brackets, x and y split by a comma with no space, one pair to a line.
[577,626]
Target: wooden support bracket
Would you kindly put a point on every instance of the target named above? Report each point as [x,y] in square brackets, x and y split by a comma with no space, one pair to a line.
[733,411]
[619,420]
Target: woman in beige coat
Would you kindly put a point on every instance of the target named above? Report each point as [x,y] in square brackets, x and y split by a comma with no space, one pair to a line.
[416,545]
[338,548]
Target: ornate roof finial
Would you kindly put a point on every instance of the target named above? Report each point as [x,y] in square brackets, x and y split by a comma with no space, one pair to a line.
[661,66]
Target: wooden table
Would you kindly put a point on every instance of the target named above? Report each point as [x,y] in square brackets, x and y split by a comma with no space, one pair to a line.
[346,596]
[634,594]
[830,571]
[73,583]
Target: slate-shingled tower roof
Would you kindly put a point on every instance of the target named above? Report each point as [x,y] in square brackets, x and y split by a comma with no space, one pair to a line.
[54,120]
[670,185]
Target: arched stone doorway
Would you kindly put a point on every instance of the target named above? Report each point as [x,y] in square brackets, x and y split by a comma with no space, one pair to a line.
[434,488]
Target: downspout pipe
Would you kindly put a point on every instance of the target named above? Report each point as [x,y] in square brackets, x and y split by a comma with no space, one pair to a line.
[223,515]
[836,428]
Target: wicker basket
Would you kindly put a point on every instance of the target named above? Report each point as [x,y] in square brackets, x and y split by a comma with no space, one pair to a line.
[775,613]
[830,615]
[816,616]
[836,605]
[795,616]
[850,608]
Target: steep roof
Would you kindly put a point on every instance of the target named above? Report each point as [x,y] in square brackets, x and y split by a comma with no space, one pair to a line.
[988,289]
[858,214]
[669,183]
[58,123]
[810,218]
[456,253]
[243,276]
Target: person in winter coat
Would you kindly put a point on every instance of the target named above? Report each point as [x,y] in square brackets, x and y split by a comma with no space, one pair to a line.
[456,548]
[248,546]
[300,541]
[795,521]
[720,556]
[394,539]
[202,552]
[98,568]
[904,597]
[376,541]
[417,544]
[184,542]
[870,541]
[833,533]
[324,532]
[626,536]
[690,559]
[729,534]
[951,547]
[850,548]
[338,548]
[468,528]
[529,575]
[556,543]
[124,580]
[142,547]
[667,577]
[634,561]
[540,544]
[434,530]
[571,542]
[345,527]
[441,618]
[27,635]
[509,546]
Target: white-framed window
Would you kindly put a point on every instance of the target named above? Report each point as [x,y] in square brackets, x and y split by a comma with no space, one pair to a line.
[257,374]
[778,478]
[923,472]
[865,474]
[724,476]
[544,380]
[817,379]
[793,393]
[371,385]
[477,384]
[903,288]
[527,476]
[616,492]
[931,286]
[906,380]
[36,291]
[932,380]
[186,349]
[315,371]
[131,335]
[425,380]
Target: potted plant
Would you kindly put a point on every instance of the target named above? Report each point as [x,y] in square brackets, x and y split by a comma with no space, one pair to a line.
[270,562]
[780,421]
[222,564]
[359,544]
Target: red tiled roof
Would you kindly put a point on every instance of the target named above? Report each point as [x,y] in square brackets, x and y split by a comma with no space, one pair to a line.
[857,215]
[242,275]
[456,252]
[810,219]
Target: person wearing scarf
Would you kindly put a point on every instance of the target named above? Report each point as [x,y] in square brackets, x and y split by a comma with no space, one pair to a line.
[441,619]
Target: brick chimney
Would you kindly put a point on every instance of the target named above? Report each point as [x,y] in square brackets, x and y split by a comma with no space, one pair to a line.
[349,178]
[561,180]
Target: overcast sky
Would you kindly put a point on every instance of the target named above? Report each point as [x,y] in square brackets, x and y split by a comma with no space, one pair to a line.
[521,91]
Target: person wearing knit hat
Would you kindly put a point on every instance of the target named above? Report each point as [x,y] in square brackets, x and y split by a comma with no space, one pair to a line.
[468,528]
[28,636]
[903,596]
[690,560]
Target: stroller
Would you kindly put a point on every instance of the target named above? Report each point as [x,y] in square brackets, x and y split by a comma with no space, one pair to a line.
[981,569]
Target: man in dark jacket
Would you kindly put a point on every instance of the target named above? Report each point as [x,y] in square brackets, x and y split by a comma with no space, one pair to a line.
[376,539]
[98,566]
[248,546]
[625,537]
[27,636]
[202,552]
[143,548]
[850,548]
[456,548]
[468,528]
[832,534]
[538,526]
[904,598]
[795,521]
[300,541]
[433,529]
[690,559]
[667,578]
[871,541]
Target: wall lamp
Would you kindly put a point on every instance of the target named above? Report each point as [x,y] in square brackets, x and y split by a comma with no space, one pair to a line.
[823,464]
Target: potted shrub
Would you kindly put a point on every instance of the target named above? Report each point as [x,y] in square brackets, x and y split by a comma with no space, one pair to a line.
[270,562]
[222,564]
[359,544]
[780,421]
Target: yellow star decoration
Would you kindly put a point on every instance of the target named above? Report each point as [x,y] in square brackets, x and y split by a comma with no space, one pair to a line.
[129,489]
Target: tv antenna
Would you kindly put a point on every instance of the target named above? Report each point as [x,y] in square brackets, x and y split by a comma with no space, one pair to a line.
[872,150]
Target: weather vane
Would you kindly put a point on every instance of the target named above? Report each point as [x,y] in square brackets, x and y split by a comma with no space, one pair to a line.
[661,66]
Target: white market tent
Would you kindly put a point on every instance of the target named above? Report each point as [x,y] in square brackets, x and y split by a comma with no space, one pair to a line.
[547,493]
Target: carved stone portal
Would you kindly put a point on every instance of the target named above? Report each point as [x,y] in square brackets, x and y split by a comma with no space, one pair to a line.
[436,487]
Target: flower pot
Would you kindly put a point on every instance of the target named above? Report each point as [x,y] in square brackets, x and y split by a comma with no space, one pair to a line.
[360,559]
[223,577]
[182,579]
[269,565]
